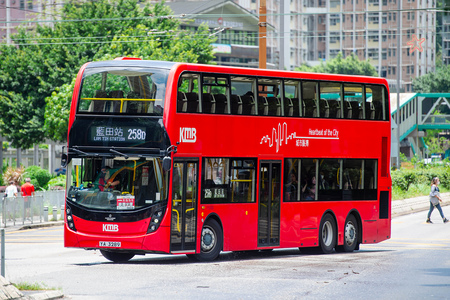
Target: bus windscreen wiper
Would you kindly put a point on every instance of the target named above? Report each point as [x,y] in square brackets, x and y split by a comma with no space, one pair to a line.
[117,152]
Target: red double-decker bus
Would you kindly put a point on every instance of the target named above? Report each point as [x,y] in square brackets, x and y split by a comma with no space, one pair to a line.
[195,159]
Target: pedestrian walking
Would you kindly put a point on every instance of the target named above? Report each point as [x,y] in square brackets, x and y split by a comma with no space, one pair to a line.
[435,198]
[10,194]
[27,193]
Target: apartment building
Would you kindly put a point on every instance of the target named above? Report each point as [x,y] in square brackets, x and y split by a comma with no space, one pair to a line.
[25,13]
[319,29]
[304,31]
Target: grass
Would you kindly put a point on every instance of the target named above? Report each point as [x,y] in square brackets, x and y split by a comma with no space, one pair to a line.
[415,190]
[25,286]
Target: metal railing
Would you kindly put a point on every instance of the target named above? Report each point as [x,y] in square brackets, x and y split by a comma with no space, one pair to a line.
[32,209]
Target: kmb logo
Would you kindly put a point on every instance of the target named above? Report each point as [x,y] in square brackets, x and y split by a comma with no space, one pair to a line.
[110,227]
[188,135]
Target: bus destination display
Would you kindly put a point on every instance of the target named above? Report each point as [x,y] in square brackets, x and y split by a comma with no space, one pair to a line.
[117,134]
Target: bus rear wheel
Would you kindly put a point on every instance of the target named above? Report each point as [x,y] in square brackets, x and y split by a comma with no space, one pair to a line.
[327,234]
[351,232]
[211,241]
[117,257]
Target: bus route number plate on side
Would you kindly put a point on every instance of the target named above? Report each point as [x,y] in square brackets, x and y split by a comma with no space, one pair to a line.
[110,244]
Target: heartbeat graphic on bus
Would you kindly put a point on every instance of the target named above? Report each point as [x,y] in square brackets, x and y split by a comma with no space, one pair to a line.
[281,134]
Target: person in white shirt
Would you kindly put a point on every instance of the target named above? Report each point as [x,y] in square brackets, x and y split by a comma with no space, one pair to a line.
[11,190]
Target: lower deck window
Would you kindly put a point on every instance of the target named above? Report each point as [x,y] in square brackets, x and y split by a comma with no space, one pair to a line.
[330,179]
[228,180]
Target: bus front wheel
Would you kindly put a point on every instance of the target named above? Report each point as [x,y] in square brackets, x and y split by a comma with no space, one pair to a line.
[211,241]
[117,257]
[327,234]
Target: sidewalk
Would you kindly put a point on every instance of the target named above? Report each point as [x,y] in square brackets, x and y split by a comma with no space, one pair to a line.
[413,205]
[9,292]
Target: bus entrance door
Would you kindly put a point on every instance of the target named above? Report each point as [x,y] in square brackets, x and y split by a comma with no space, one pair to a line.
[269,203]
[184,203]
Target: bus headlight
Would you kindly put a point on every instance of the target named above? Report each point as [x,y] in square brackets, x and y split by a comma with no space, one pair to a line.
[155,221]
[69,218]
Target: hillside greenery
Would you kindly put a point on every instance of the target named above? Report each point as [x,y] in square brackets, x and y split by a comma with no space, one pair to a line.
[409,183]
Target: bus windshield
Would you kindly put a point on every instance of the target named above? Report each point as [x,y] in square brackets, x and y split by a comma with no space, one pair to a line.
[117,183]
[128,90]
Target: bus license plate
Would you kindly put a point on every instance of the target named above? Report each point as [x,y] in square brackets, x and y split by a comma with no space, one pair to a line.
[110,244]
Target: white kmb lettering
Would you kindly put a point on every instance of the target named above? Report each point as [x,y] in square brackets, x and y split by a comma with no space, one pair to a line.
[110,227]
[188,135]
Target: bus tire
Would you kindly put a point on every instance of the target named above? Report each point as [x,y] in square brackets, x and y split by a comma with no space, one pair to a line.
[351,232]
[327,234]
[117,257]
[211,241]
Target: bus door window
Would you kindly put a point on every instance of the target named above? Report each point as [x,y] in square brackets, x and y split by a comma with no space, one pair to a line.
[184,203]
[269,203]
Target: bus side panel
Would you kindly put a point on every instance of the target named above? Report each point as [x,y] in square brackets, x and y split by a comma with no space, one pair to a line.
[239,222]
[290,225]
[158,241]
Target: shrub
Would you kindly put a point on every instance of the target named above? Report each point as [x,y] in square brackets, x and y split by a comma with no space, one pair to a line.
[56,182]
[39,177]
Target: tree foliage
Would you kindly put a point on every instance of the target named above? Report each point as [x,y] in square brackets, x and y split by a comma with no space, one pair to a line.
[350,65]
[434,82]
[38,68]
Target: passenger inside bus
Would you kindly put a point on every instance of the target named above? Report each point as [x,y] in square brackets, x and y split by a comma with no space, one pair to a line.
[291,187]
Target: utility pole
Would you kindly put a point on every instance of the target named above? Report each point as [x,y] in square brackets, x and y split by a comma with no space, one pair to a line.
[262,34]
[399,77]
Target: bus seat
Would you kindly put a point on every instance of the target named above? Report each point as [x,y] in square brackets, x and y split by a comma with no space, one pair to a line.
[133,107]
[208,103]
[236,105]
[181,102]
[192,102]
[248,105]
[310,108]
[288,107]
[355,109]
[370,111]
[347,110]
[378,110]
[114,105]
[295,107]
[98,105]
[263,106]
[221,103]
[334,108]
[324,108]
[274,106]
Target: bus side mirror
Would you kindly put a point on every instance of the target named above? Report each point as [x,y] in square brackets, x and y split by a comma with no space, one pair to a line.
[64,160]
[167,163]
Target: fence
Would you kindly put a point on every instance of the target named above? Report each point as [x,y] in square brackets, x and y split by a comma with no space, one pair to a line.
[28,210]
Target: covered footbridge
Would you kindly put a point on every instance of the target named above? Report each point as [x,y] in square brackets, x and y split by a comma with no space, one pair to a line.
[418,112]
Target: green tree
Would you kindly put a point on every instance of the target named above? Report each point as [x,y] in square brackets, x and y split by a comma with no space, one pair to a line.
[350,65]
[41,63]
[434,82]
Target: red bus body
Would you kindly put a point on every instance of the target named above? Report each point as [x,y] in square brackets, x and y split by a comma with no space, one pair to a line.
[269,141]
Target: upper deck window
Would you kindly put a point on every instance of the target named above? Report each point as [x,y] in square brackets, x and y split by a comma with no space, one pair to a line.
[123,90]
[211,93]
